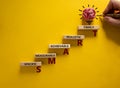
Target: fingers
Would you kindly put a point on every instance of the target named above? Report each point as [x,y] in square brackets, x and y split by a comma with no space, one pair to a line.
[108,8]
[111,7]
[116,4]
[111,20]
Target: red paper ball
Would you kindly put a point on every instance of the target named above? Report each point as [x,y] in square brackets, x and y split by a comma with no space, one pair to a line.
[89,14]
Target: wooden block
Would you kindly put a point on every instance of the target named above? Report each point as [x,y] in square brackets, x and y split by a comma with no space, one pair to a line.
[59,45]
[74,37]
[45,55]
[31,63]
[88,27]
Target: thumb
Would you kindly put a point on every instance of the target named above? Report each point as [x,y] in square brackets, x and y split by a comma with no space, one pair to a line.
[111,20]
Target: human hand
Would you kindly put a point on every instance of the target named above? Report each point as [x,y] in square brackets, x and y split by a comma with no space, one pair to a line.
[112,6]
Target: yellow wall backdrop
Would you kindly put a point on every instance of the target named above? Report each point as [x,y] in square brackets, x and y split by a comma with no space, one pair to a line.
[28,26]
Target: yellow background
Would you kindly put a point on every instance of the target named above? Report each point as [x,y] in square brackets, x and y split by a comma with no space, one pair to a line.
[28,26]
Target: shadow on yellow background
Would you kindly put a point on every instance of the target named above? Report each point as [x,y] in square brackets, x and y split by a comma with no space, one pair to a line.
[87,34]
[43,60]
[28,69]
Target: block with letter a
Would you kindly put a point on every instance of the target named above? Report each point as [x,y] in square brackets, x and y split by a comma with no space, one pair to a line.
[59,48]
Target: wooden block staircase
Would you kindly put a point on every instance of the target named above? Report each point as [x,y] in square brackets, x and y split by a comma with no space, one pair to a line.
[54,49]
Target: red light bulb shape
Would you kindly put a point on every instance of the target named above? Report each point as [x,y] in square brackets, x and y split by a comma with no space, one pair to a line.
[89,14]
